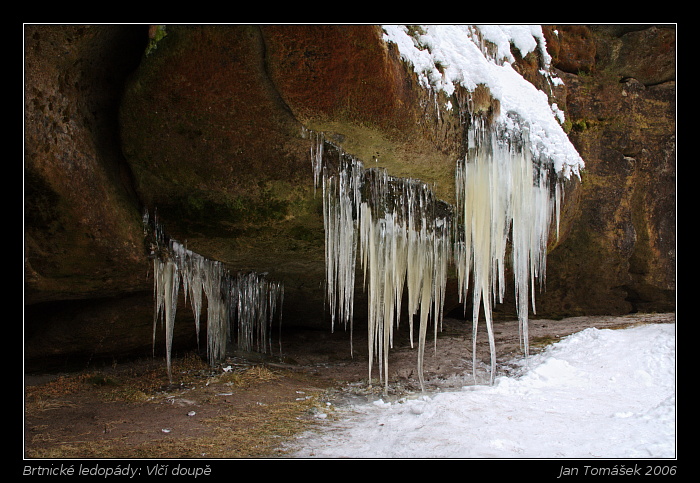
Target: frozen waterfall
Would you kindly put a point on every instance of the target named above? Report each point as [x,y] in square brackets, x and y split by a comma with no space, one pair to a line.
[405,239]
[509,188]
[240,307]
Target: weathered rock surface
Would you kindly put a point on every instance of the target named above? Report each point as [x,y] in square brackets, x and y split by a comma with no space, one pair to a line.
[209,129]
[620,253]
[86,276]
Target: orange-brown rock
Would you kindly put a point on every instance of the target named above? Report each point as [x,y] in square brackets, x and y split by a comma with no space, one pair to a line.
[620,254]
[208,125]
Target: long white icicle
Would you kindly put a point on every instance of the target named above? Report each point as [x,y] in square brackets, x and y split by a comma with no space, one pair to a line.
[248,300]
[402,237]
[403,240]
[502,194]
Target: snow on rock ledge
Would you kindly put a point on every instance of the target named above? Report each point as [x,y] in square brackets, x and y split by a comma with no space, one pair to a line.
[444,56]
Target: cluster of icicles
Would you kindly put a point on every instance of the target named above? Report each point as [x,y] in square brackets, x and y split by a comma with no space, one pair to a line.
[399,232]
[241,307]
[405,239]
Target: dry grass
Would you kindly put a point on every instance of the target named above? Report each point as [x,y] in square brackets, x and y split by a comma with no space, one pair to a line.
[253,375]
[241,430]
[243,434]
[250,434]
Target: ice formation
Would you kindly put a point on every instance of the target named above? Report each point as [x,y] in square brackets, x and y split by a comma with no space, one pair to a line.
[240,307]
[506,204]
[402,237]
[508,192]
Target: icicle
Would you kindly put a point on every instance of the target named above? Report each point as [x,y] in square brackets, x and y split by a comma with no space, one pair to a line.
[217,314]
[257,302]
[502,191]
[390,225]
[166,282]
[248,300]
[195,287]
[339,207]
[393,227]
[317,157]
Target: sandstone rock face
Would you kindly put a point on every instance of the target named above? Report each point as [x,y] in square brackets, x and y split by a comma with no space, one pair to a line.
[83,243]
[82,236]
[208,126]
[620,253]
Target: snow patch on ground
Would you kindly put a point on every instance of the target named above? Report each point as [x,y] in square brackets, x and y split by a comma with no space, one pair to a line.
[599,393]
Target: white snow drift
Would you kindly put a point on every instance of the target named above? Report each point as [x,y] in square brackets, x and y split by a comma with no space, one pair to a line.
[599,393]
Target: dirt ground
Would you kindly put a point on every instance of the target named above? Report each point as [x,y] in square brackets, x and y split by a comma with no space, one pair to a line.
[250,405]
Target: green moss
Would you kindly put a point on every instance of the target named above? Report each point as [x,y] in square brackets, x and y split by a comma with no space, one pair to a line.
[214,215]
[240,209]
[157,34]
[580,125]
[567,126]
[376,149]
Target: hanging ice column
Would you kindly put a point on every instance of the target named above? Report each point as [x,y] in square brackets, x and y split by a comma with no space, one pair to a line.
[405,238]
[508,188]
[240,307]
[503,196]
[400,233]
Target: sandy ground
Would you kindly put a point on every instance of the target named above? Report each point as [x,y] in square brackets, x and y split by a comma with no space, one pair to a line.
[250,404]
